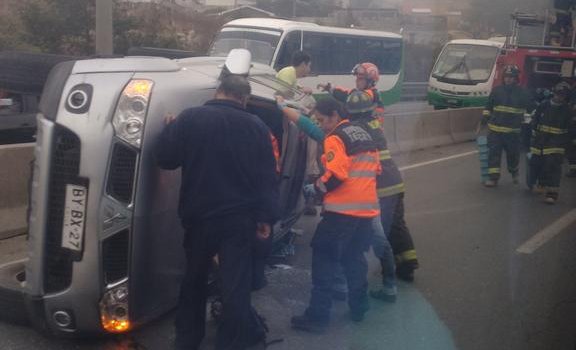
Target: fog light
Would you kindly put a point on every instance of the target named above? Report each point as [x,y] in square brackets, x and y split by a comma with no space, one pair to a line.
[62,319]
[114,309]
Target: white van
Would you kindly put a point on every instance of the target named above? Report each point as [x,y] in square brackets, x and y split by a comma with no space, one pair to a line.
[464,73]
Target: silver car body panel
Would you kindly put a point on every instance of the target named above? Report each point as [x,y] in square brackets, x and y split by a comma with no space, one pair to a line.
[151,217]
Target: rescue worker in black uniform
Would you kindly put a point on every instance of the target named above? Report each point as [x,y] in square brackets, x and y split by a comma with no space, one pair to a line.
[504,114]
[228,200]
[571,147]
[550,136]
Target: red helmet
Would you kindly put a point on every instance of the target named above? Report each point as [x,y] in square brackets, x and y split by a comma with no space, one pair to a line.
[368,71]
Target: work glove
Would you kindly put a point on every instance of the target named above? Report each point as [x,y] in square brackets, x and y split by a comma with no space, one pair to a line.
[309,191]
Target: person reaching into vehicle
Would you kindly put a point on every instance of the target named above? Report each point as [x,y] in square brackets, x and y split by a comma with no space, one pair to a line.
[361,106]
[350,204]
[392,197]
[300,68]
[367,76]
[301,65]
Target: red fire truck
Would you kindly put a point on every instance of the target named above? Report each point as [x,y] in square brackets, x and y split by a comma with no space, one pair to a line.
[544,52]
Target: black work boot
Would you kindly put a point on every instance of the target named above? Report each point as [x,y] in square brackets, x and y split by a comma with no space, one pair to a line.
[357,314]
[307,324]
[405,271]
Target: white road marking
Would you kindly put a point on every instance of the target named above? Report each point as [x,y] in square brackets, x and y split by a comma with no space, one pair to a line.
[542,237]
[456,156]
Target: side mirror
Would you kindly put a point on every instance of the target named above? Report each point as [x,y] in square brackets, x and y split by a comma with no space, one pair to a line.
[238,62]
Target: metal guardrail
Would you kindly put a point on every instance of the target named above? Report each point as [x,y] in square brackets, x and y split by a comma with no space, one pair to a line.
[414,91]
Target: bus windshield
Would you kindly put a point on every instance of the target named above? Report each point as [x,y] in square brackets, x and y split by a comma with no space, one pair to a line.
[465,64]
[261,43]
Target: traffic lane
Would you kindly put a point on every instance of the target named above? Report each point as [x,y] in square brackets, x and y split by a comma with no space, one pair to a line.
[411,321]
[466,236]
[286,295]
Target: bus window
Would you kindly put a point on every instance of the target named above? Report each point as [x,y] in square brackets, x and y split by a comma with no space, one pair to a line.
[261,43]
[386,54]
[338,54]
[331,54]
[290,44]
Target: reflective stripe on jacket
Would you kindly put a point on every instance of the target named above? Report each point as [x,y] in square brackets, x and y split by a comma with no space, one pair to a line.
[351,160]
[506,108]
[551,128]
[389,182]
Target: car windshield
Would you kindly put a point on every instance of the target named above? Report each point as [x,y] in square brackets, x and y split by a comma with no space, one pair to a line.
[261,43]
[466,63]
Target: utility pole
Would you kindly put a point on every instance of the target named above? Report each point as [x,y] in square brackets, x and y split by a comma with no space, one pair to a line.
[104,26]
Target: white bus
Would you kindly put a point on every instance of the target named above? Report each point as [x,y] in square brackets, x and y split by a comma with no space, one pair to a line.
[464,73]
[334,51]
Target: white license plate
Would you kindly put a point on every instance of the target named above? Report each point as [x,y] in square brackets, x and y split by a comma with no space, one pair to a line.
[74,217]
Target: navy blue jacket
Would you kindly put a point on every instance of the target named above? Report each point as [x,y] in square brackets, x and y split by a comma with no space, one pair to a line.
[227,162]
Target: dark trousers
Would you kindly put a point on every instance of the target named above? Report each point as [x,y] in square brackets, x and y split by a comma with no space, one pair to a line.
[339,240]
[498,142]
[392,216]
[546,171]
[232,239]
[571,155]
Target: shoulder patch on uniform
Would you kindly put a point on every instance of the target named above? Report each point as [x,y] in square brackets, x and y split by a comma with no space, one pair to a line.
[330,156]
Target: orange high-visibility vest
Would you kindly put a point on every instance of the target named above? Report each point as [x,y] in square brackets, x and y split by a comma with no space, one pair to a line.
[351,160]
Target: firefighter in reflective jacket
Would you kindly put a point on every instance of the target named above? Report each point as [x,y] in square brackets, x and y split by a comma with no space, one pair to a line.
[507,106]
[343,235]
[367,75]
[571,147]
[550,136]
[390,193]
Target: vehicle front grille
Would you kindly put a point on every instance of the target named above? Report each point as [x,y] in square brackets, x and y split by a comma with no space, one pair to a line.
[115,257]
[121,175]
[65,167]
[448,92]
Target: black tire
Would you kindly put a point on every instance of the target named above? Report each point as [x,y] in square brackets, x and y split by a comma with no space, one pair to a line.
[12,300]
[26,72]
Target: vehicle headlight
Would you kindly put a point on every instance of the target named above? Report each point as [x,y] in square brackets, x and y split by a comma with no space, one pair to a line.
[131,111]
[114,309]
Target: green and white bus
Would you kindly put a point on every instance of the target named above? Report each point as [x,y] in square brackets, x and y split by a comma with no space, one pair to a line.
[464,73]
[335,51]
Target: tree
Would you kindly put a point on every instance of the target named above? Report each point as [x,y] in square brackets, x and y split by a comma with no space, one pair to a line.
[59,26]
[68,27]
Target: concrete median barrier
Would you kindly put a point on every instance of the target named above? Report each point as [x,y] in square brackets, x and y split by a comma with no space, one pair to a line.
[15,168]
[463,123]
[413,131]
[409,132]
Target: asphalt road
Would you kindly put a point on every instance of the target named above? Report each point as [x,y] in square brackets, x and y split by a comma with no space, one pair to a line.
[474,291]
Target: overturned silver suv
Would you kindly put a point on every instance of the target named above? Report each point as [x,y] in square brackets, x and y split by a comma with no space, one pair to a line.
[104,250]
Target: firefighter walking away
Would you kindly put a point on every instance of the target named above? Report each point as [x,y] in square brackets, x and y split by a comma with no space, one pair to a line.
[550,136]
